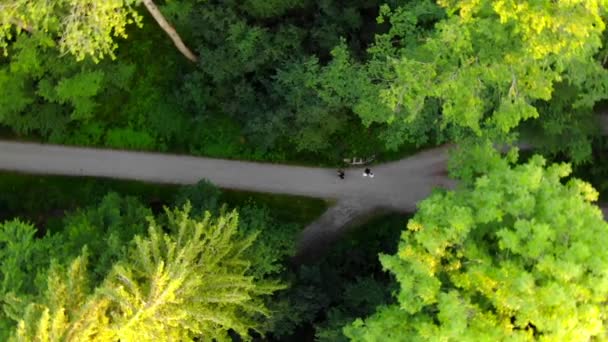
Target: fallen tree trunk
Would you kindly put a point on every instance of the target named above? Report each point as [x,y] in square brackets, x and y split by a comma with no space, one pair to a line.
[170,30]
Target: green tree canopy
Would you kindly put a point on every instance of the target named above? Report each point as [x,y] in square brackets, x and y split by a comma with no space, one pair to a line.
[486,64]
[517,255]
[83,28]
[187,278]
[25,259]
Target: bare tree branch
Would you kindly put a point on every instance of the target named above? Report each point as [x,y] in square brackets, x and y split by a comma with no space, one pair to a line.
[164,24]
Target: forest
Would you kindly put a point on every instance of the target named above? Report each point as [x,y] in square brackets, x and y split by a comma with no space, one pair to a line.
[515,251]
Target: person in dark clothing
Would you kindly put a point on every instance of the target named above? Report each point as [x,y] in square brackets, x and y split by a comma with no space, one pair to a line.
[341,174]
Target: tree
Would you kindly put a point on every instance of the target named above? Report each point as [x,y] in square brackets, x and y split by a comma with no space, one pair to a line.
[262,61]
[486,62]
[203,197]
[46,94]
[104,229]
[345,284]
[84,28]
[564,128]
[191,282]
[515,255]
[23,261]
[18,256]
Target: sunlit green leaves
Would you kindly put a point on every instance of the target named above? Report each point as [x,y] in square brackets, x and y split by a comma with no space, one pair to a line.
[515,254]
[185,279]
[13,99]
[487,63]
[78,91]
[85,28]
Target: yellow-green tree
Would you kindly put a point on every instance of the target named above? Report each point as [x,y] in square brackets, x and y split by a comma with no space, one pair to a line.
[516,256]
[486,65]
[84,28]
[187,279]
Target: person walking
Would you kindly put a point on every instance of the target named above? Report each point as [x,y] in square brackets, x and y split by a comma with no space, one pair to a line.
[341,174]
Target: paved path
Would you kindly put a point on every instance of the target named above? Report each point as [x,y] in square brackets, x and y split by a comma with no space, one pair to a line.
[398,186]
[333,224]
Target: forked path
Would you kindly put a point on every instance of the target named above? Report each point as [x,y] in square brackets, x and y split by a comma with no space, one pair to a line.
[397,186]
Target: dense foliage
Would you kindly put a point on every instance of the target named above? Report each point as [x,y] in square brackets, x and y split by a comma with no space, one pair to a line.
[252,95]
[82,28]
[179,285]
[515,256]
[213,264]
[514,253]
[346,283]
[304,79]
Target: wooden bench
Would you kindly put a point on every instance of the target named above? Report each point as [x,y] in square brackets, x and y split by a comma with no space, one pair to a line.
[358,161]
